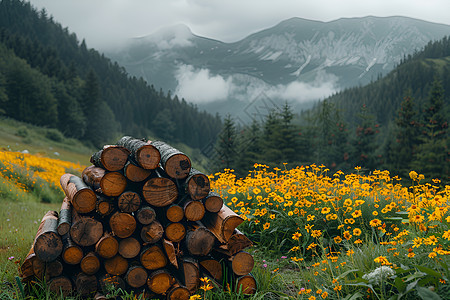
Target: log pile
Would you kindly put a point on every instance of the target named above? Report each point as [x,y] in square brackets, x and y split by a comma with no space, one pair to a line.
[142,219]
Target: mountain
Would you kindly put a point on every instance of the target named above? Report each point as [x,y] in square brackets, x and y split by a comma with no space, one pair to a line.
[297,60]
[49,78]
[413,77]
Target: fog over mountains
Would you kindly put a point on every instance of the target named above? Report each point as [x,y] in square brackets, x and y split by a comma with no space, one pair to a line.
[297,60]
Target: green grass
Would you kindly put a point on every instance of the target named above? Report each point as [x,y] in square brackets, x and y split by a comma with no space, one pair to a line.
[19,136]
[19,222]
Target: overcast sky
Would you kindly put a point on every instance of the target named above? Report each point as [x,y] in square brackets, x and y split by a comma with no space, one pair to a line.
[105,22]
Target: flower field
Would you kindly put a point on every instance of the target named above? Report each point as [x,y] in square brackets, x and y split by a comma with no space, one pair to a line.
[317,235]
[343,231]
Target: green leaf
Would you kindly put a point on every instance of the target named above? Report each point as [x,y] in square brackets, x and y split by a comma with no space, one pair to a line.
[402,213]
[346,273]
[411,286]
[429,271]
[399,284]
[21,289]
[355,296]
[394,218]
[427,294]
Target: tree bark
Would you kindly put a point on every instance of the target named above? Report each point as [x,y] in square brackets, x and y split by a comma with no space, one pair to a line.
[111,158]
[82,197]
[191,274]
[108,183]
[107,246]
[145,154]
[122,224]
[237,242]
[135,173]
[222,224]
[160,191]
[174,162]
[129,201]
[171,253]
[65,217]
[47,244]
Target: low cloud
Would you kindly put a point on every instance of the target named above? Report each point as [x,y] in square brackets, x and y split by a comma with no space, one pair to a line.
[323,86]
[199,86]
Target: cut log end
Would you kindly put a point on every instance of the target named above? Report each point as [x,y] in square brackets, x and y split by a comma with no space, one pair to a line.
[242,263]
[136,276]
[61,286]
[175,213]
[136,173]
[160,281]
[194,210]
[116,265]
[129,247]
[160,191]
[246,284]
[129,201]
[122,224]
[178,293]
[148,157]
[48,246]
[107,246]
[198,186]
[86,231]
[178,166]
[153,258]
[113,184]
[213,203]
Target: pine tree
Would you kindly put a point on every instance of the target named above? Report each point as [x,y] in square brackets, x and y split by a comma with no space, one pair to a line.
[272,153]
[404,147]
[226,146]
[249,148]
[432,157]
[289,143]
[364,143]
[3,95]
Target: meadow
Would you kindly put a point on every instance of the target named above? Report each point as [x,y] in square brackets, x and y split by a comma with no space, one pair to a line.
[316,235]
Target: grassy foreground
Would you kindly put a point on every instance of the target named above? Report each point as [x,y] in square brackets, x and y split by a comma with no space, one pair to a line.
[317,235]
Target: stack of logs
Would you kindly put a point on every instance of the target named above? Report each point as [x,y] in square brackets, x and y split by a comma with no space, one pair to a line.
[143,220]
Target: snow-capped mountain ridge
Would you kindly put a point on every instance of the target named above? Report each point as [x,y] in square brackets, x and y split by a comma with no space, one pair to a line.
[294,53]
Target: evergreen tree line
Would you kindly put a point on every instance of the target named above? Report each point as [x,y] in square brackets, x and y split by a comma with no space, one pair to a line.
[49,78]
[417,139]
